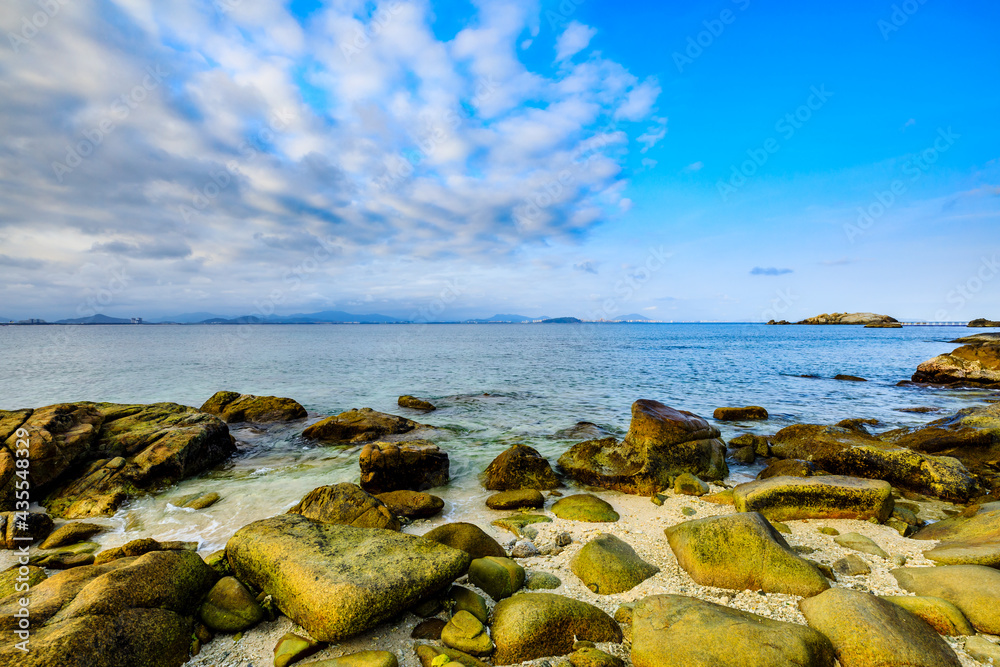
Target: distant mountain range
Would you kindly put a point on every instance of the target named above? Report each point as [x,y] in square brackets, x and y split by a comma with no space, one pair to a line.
[505,318]
[634,317]
[95,319]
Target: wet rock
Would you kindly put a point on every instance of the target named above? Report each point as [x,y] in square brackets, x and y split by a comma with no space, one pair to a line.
[758,443]
[427,654]
[538,581]
[976,365]
[346,504]
[849,378]
[233,407]
[581,431]
[520,467]
[742,551]
[466,633]
[688,485]
[845,451]
[943,616]
[89,458]
[983,650]
[199,501]
[679,631]
[359,659]
[851,566]
[412,504]
[19,529]
[788,468]
[745,456]
[751,412]
[414,403]
[428,629]
[535,625]
[661,443]
[498,577]
[230,607]
[466,600]
[138,547]
[608,565]
[585,507]
[292,648]
[364,425]
[466,537]
[866,630]
[515,499]
[411,466]
[337,580]
[826,497]
[859,542]
[974,589]
[71,533]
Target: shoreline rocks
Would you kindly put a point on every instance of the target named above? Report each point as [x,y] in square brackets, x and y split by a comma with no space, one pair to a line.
[982,322]
[751,412]
[661,443]
[975,365]
[414,403]
[416,465]
[345,504]
[234,407]
[364,425]
[824,497]
[520,467]
[849,319]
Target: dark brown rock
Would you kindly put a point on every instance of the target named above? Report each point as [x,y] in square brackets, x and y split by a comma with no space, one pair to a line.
[520,467]
[364,425]
[233,407]
[412,504]
[346,504]
[412,466]
[752,412]
[414,403]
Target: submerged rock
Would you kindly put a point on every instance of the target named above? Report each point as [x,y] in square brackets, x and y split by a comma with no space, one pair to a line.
[412,466]
[346,504]
[661,443]
[335,580]
[866,630]
[536,625]
[849,451]
[520,467]
[972,588]
[234,407]
[466,537]
[414,403]
[826,497]
[679,631]
[608,565]
[364,425]
[742,552]
[89,458]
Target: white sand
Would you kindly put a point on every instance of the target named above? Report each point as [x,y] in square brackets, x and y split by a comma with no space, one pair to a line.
[641,525]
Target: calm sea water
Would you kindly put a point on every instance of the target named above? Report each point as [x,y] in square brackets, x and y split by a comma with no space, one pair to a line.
[494,385]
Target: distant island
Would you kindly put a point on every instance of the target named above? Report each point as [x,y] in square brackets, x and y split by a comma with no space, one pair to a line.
[857,319]
[562,320]
[982,322]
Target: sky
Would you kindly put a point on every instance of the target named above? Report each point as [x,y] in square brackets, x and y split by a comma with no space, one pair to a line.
[733,160]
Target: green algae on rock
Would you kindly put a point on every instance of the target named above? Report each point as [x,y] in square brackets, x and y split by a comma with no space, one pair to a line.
[826,497]
[233,407]
[346,504]
[467,537]
[519,467]
[609,565]
[498,577]
[585,507]
[364,425]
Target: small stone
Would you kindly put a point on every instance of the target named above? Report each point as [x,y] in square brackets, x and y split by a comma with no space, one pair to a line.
[542,581]
[293,647]
[585,507]
[465,632]
[899,560]
[687,511]
[583,644]
[689,485]
[564,540]
[781,527]
[851,566]
[517,522]
[826,530]
[229,607]
[524,549]
[428,629]
[657,499]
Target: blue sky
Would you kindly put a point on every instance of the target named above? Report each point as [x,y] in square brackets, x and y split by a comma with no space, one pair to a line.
[728,160]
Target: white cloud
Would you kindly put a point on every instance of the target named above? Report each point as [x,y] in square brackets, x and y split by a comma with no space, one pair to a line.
[574,39]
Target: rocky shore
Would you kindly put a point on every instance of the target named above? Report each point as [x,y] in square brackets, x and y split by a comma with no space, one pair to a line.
[870,320]
[854,546]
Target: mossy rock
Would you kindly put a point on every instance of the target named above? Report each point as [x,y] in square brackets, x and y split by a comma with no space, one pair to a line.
[346,504]
[974,589]
[677,630]
[467,537]
[688,485]
[859,542]
[585,507]
[827,497]
[427,653]
[11,579]
[360,659]
[233,408]
[608,565]
[520,467]
[470,601]
[364,425]
[538,581]
[292,648]
[749,413]
[943,616]
[412,504]
[516,523]
[536,625]
[498,577]
[742,551]
[230,607]
[466,633]
[592,657]
[515,499]
[71,533]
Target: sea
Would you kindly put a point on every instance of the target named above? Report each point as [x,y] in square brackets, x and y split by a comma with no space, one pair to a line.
[494,385]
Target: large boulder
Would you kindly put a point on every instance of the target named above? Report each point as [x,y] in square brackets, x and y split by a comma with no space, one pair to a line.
[233,407]
[536,625]
[406,466]
[867,631]
[971,435]
[970,538]
[135,611]
[851,451]
[346,504]
[335,580]
[364,425]
[467,537]
[520,467]
[412,504]
[89,458]
[609,565]
[742,552]
[974,589]
[678,631]
[661,443]
[585,507]
[976,365]
[824,497]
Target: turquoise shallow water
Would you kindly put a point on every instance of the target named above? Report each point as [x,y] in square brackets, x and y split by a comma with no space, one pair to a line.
[540,379]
